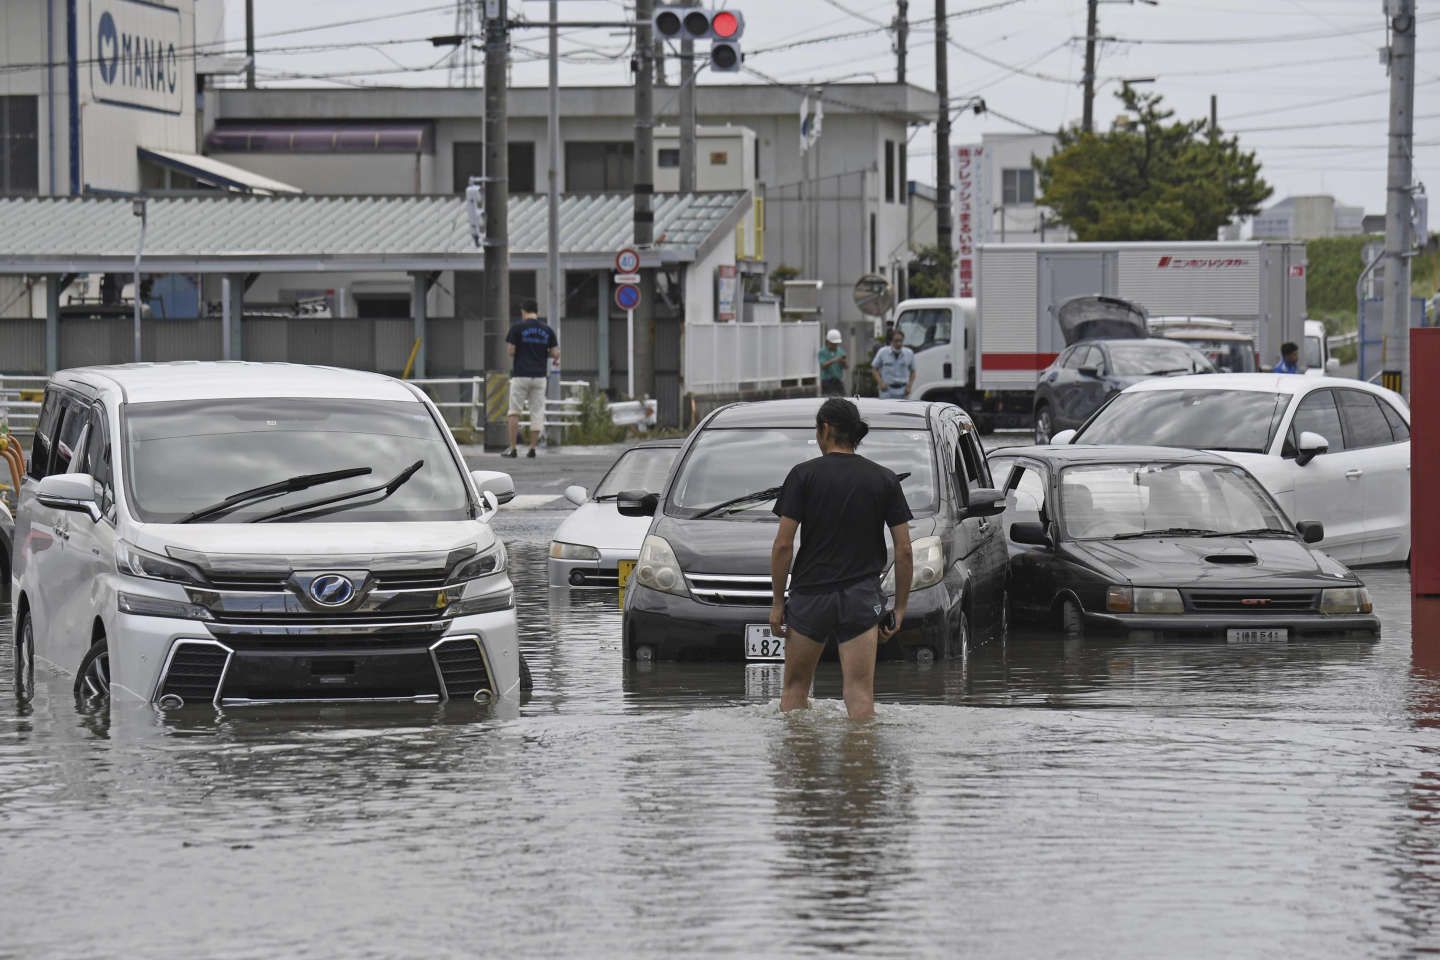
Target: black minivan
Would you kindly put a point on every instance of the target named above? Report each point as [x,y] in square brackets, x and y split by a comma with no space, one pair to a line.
[701,588]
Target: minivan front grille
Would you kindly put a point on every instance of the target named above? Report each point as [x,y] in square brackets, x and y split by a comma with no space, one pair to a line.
[319,639]
[462,667]
[730,589]
[194,671]
[1256,602]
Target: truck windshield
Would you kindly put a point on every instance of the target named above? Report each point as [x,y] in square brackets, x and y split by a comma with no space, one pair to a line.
[724,464]
[1228,356]
[925,327]
[184,456]
[1240,421]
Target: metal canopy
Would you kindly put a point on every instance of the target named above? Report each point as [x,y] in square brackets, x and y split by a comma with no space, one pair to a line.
[229,234]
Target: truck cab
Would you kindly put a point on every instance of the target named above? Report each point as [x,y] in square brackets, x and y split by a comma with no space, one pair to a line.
[939,330]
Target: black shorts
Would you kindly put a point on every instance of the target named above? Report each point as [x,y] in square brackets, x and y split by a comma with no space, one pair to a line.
[832,388]
[840,614]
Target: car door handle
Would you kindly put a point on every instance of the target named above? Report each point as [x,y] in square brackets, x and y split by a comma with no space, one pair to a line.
[1354,474]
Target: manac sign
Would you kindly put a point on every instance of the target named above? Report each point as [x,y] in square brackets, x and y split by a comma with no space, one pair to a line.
[137,56]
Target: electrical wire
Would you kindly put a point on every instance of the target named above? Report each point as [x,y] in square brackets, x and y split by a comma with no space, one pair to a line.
[1249,40]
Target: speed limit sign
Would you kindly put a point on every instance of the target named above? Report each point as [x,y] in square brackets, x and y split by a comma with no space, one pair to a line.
[627,260]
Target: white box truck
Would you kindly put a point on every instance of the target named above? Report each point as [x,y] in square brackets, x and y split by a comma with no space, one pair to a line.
[986,354]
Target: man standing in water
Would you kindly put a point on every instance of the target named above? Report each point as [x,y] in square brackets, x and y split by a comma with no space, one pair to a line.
[841,503]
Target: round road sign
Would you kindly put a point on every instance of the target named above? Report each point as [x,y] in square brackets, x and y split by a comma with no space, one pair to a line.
[627,296]
[873,295]
[627,261]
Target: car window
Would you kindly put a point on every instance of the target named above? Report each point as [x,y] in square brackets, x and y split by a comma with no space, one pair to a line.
[1155,357]
[1025,496]
[644,468]
[1227,356]
[1072,358]
[977,474]
[1314,353]
[1363,421]
[45,425]
[73,417]
[1095,360]
[1317,414]
[1399,429]
[1139,499]
[97,459]
[1240,421]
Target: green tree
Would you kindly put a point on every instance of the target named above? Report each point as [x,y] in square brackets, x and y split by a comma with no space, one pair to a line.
[1151,178]
[930,272]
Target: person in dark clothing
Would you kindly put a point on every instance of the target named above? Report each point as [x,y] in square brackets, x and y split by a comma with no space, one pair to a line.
[530,343]
[841,503]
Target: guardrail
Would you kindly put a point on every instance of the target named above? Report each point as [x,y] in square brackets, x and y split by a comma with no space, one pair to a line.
[1344,339]
[18,413]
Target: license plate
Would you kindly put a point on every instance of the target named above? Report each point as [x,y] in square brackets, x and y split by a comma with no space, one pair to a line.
[761,644]
[1257,636]
[627,567]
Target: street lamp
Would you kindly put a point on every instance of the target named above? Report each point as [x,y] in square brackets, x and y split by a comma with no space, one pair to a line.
[137,207]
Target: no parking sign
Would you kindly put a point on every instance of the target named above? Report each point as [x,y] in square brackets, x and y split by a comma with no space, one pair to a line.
[627,296]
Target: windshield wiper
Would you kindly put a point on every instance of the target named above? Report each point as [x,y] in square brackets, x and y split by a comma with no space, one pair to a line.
[1167,532]
[1257,532]
[302,482]
[384,488]
[1162,373]
[759,496]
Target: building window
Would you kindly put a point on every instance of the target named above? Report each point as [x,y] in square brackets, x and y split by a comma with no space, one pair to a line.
[19,145]
[468,160]
[1018,186]
[669,158]
[903,175]
[889,171]
[599,167]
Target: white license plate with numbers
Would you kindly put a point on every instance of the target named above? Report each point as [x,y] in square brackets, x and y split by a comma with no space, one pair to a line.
[1257,636]
[761,644]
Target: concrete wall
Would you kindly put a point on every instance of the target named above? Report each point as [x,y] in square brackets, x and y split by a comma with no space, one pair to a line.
[346,173]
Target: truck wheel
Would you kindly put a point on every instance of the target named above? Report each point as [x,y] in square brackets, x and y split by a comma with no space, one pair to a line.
[1044,425]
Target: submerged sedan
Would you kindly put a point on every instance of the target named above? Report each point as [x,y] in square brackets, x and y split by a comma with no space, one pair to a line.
[590,544]
[1165,544]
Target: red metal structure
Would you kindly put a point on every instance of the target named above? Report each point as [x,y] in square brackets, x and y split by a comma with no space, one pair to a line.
[1425,478]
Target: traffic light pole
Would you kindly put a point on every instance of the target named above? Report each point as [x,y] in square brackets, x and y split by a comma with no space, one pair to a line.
[497,181]
[642,357]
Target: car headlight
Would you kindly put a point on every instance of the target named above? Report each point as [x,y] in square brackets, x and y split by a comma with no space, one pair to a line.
[134,562]
[142,606]
[928,557]
[559,550]
[1158,600]
[658,569]
[1346,600]
[483,564]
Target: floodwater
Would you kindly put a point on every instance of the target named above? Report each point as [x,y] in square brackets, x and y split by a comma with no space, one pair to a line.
[1111,800]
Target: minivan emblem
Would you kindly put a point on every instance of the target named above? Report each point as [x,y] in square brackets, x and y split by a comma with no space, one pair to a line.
[332,590]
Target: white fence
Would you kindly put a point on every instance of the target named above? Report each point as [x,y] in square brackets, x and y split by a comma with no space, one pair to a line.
[723,357]
[17,414]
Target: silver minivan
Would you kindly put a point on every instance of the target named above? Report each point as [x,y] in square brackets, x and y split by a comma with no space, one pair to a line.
[238,533]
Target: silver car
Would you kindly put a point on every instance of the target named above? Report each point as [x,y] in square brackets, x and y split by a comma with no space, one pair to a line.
[591,542]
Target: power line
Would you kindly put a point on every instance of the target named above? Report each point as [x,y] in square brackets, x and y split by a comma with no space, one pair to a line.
[1327,101]
[1369,121]
[1247,40]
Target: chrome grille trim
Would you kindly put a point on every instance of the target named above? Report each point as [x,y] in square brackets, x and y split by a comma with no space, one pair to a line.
[170,659]
[328,628]
[440,671]
[730,589]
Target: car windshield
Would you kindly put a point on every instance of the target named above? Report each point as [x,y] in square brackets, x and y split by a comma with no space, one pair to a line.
[185,456]
[1314,353]
[1227,356]
[1155,357]
[724,464]
[642,469]
[925,328]
[1125,500]
[1242,421]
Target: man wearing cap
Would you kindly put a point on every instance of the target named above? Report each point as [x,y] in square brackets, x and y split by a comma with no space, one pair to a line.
[832,366]
[894,367]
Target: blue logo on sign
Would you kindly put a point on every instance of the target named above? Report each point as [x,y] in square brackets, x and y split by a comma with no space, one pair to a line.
[109,47]
[332,590]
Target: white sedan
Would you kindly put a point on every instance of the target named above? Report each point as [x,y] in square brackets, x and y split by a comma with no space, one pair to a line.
[590,543]
[1328,449]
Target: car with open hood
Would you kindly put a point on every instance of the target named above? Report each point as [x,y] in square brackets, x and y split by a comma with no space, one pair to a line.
[237,533]
[701,589]
[1167,544]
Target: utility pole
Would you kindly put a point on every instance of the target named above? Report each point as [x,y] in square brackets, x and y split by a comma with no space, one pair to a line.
[660,79]
[1214,118]
[943,214]
[1395,353]
[250,44]
[642,362]
[902,38]
[687,114]
[1092,30]
[497,183]
[555,280]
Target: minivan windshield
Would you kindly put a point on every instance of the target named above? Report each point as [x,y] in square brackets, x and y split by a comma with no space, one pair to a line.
[1239,421]
[185,456]
[724,464]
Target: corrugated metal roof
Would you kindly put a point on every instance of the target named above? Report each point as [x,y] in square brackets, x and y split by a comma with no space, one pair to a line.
[249,233]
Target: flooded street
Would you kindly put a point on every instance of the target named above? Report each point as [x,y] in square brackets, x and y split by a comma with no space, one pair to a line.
[1112,799]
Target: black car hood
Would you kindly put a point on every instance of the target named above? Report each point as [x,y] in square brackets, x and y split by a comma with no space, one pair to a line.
[1216,562]
[736,546]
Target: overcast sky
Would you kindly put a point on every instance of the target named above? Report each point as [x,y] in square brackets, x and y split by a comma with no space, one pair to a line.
[1299,80]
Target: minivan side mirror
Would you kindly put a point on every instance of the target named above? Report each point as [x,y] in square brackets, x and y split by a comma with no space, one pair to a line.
[1030,534]
[637,503]
[1332,365]
[985,503]
[1062,438]
[575,494]
[1311,446]
[69,491]
[1311,531]
[500,484]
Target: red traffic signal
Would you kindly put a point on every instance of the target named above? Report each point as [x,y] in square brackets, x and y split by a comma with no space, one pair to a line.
[727,25]
[678,21]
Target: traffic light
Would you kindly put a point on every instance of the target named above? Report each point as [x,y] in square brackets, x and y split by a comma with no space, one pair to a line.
[726,27]
[680,22]
[722,28]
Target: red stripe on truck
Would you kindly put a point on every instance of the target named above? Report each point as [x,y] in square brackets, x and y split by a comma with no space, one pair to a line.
[1017,361]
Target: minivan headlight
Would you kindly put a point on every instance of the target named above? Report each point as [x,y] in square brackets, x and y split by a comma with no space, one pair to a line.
[484,564]
[928,554]
[559,550]
[1346,600]
[131,561]
[658,569]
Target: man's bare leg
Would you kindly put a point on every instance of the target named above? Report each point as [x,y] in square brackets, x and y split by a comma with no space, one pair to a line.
[514,429]
[857,663]
[802,655]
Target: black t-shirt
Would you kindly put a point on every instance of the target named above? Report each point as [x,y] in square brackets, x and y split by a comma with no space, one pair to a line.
[844,504]
[533,342]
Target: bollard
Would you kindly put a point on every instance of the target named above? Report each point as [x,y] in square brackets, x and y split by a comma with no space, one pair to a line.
[1424,477]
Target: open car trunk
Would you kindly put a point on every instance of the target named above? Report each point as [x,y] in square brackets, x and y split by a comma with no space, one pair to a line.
[1101,318]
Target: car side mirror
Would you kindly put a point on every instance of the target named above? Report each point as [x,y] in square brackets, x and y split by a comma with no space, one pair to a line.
[1088,371]
[1062,438]
[575,494]
[985,503]
[637,503]
[1030,534]
[1311,446]
[502,485]
[74,492]
[1311,531]
[1332,365]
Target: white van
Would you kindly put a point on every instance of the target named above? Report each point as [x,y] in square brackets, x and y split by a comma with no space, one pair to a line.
[237,533]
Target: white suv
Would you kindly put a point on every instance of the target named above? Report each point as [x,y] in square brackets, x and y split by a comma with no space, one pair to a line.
[232,533]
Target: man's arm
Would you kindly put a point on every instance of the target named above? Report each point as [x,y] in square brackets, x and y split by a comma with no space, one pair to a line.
[904,570]
[781,554]
[510,350]
[875,369]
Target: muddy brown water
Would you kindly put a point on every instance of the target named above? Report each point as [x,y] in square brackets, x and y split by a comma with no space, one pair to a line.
[1112,799]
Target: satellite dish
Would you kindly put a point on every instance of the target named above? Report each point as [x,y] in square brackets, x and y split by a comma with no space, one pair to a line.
[873,295]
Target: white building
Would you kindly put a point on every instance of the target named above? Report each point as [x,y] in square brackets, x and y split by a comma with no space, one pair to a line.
[1309,217]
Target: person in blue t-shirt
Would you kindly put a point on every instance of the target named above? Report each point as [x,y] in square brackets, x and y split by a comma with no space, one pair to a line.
[531,344]
[1289,359]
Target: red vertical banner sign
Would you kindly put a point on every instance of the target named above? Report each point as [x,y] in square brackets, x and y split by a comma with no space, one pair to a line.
[967,199]
[1424,477]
